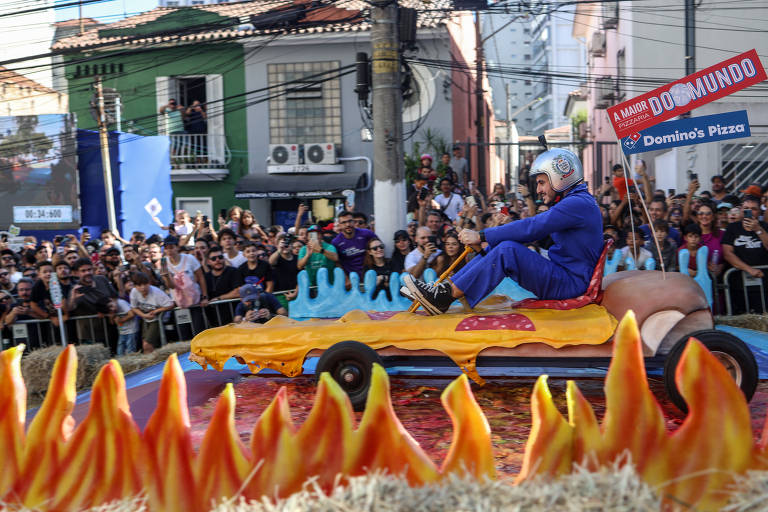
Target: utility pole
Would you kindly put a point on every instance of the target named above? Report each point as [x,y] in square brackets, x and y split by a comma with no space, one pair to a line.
[511,183]
[388,164]
[480,108]
[690,36]
[105,160]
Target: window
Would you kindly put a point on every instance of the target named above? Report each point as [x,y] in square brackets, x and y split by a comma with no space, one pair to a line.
[193,204]
[306,110]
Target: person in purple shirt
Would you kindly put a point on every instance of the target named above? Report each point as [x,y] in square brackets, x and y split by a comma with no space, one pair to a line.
[351,244]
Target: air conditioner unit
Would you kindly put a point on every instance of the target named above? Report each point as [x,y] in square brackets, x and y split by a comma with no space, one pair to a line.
[610,15]
[284,154]
[320,153]
[597,46]
[605,91]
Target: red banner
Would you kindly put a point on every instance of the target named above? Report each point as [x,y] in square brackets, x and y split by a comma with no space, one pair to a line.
[686,94]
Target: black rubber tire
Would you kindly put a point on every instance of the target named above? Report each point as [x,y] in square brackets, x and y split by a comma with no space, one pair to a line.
[715,341]
[354,360]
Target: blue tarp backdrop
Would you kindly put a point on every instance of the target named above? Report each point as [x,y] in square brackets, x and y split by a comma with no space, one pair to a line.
[141,171]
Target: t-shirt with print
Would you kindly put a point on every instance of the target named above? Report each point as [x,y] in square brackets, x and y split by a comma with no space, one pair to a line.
[187,264]
[129,327]
[318,260]
[259,275]
[155,299]
[352,250]
[746,244]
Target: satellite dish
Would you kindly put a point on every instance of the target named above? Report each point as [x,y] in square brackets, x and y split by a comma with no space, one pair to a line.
[420,94]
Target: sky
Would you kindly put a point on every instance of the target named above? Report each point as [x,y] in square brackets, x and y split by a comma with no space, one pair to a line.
[107,11]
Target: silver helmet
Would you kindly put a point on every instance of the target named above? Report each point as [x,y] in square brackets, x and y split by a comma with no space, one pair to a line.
[563,168]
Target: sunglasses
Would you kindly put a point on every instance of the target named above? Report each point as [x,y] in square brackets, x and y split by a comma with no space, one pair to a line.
[4,274]
[377,247]
[216,258]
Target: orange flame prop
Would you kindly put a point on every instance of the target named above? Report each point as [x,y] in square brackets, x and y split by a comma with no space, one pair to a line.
[692,466]
[106,457]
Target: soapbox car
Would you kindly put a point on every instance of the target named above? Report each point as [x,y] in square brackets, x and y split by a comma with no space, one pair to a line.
[571,333]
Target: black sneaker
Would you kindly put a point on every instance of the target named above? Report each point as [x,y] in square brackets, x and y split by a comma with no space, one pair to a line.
[436,298]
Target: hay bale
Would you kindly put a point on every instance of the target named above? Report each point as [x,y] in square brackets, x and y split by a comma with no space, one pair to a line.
[754,322]
[750,493]
[134,362]
[179,347]
[617,489]
[36,367]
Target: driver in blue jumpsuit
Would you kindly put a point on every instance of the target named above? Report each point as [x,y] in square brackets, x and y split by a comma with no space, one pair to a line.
[573,221]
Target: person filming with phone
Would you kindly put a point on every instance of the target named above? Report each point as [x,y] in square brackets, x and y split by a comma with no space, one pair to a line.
[316,255]
[424,254]
[745,246]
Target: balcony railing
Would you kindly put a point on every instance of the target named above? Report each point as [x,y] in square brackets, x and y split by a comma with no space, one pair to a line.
[199,151]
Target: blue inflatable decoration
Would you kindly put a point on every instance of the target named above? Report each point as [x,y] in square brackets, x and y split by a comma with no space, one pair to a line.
[702,275]
[333,300]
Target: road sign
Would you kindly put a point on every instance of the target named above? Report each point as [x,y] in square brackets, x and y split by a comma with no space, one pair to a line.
[686,94]
[685,132]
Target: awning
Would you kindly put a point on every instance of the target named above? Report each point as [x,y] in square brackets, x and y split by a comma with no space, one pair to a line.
[286,186]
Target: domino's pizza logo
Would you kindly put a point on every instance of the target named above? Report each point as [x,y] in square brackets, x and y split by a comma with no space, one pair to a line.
[563,167]
[631,141]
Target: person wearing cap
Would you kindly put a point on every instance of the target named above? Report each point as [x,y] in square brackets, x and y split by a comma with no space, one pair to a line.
[722,215]
[718,188]
[573,221]
[426,169]
[316,255]
[187,281]
[256,305]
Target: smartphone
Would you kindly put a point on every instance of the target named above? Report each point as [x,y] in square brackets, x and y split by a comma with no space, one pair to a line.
[607,179]
[694,176]
[58,239]
[632,189]
[432,239]
[670,191]
[423,193]
[313,236]
[747,214]
[471,201]
[223,213]
[85,230]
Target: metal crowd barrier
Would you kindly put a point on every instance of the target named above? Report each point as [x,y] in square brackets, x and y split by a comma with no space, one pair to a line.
[747,282]
[185,323]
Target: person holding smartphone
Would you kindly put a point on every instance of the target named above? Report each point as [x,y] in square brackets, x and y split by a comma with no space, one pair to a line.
[745,246]
[424,254]
[316,255]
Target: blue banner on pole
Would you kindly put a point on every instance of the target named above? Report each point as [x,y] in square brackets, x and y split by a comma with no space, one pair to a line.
[685,132]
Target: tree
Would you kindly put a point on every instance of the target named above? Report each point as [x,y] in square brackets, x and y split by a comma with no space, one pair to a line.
[26,141]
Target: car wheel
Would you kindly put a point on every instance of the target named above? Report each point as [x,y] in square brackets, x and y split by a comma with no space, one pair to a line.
[728,349]
[350,364]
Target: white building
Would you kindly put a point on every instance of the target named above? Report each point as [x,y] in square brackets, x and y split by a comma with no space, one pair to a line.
[636,47]
[554,50]
[25,35]
[509,47]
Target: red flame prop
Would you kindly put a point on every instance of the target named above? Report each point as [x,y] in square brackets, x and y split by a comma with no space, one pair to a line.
[58,466]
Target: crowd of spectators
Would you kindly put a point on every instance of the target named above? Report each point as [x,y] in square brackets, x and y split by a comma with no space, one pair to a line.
[133,283]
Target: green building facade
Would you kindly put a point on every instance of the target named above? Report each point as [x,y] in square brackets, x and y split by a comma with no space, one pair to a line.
[204,167]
